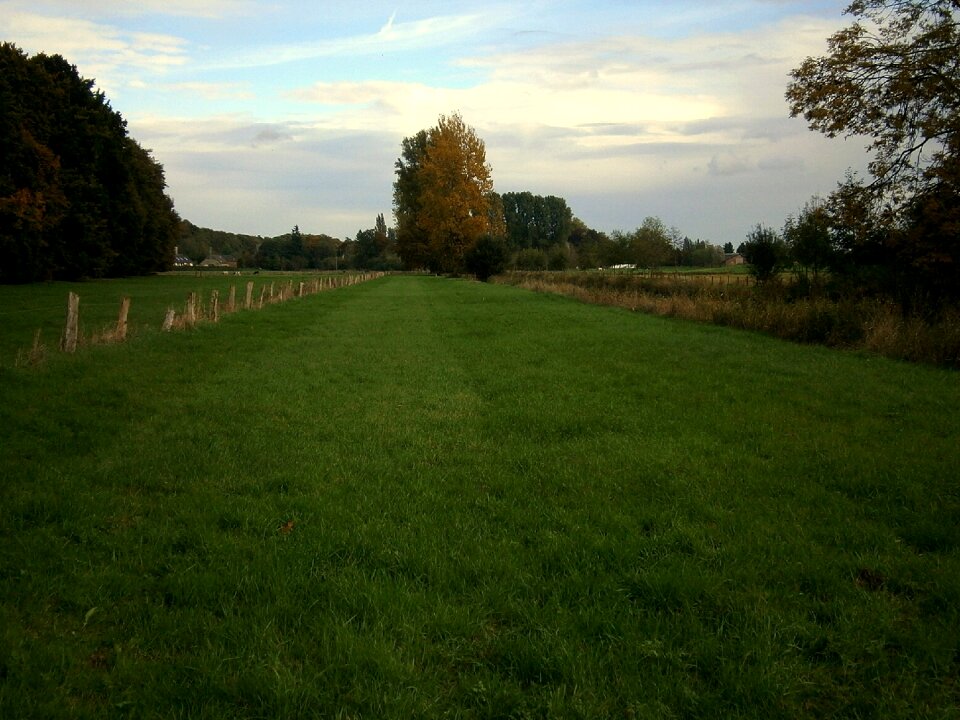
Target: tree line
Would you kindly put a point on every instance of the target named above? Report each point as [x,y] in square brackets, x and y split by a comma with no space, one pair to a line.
[450,219]
[893,75]
[371,249]
[78,196]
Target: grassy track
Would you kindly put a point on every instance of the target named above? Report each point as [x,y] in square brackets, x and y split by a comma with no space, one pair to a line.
[431,498]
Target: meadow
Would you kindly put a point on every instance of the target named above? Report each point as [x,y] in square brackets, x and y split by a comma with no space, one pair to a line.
[425,497]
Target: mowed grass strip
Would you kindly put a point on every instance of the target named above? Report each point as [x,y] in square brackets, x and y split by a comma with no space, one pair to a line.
[423,497]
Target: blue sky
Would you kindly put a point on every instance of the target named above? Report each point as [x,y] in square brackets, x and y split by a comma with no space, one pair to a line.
[271,113]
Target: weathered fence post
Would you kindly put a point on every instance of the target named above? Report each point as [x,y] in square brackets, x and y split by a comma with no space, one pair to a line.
[168,320]
[263,292]
[190,311]
[232,300]
[248,301]
[300,290]
[121,333]
[215,305]
[70,330]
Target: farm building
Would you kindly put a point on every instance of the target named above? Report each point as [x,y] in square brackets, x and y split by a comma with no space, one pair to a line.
[219,261]
[734,259]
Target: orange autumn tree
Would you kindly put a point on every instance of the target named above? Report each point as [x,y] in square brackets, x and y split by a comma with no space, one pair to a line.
[443,196]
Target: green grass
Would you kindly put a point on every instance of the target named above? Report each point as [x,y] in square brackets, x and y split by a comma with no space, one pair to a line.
[504,505]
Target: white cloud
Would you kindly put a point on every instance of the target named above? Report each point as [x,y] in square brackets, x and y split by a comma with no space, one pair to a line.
[391,37]
[111,55]
[184,8]
[213,91]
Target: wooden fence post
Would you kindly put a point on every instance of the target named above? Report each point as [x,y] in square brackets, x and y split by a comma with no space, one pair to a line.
[70,330]
[271,292]
[190,310]
[168,320]
[232,300]
[121,333]
[248,301]
[215,305]
[263,292]
[300,292]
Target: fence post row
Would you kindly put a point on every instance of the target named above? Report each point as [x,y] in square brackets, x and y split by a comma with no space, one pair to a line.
[286,291]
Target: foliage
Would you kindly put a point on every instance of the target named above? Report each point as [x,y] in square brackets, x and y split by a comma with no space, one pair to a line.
[648,246]
[487,257]
[301,251]
[78,196]
[534,221]
[594,248]
[766,253]
[375,248]
[412,240]
[529,259]
[526,507]
[809,238]
[198,243]
[442,196]
[894,76]
[697,253]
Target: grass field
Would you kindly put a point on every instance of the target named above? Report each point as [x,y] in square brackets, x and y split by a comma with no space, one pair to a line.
[422,497]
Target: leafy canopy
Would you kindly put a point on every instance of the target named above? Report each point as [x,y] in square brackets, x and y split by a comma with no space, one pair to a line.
[78,196]
[443,196]
[892,75]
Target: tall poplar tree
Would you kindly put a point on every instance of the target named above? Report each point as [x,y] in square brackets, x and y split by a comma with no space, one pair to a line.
[442,196]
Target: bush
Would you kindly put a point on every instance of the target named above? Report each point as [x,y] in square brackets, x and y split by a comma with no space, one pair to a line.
[488,257]
[765,252]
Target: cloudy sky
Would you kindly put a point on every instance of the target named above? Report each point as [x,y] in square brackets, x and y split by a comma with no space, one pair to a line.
[271,113]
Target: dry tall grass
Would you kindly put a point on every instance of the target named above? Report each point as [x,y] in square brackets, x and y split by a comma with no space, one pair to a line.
[873,325]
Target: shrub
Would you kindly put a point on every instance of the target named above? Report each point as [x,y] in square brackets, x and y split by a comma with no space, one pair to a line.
[488,257]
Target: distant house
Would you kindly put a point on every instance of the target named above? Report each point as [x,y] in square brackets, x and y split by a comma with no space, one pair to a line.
[181,261]
[734,259]
[219,261]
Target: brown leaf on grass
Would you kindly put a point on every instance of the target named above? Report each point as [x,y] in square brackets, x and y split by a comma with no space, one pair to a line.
[870,580]
[287,527]
[99,660]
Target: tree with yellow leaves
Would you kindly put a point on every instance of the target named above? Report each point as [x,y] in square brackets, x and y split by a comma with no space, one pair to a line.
[443,196]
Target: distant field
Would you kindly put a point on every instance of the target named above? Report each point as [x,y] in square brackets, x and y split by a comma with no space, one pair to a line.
[422,497]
